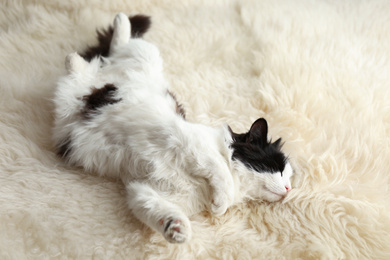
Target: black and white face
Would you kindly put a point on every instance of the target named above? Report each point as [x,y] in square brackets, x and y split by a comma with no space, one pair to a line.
[274,185]
[264,160]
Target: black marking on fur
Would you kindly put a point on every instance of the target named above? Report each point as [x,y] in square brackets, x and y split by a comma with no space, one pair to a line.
[140,24]
[64,148]
[99,98]
[168,225]
[179,108]
[253,149]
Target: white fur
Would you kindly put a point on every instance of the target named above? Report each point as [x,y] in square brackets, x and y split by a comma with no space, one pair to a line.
[171,168]
[318,71]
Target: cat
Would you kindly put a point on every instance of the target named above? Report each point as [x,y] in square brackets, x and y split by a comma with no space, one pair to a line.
[115,115]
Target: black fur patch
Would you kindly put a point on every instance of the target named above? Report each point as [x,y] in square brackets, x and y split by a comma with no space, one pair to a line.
[64,148]
[98,98]
[253,149]
[139,26]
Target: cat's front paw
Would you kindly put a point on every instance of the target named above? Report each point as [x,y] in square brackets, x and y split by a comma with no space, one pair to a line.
[219,204]
[176,230]
[222,197]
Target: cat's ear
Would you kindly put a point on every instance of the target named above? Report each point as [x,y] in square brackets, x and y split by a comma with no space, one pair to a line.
[258,131]
[75,63]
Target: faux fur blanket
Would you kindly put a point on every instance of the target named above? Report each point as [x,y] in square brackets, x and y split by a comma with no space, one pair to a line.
[318,71]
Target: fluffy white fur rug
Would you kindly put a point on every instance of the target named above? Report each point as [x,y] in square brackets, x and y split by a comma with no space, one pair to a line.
[318,71]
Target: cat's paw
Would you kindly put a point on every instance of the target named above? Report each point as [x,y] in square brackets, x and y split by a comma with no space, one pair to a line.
[222,197]
[120,20]
[122,32]
[75,63]
[122,27]
[219,204]
[176,230]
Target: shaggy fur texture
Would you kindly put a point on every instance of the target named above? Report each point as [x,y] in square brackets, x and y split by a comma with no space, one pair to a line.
[130,130]
[318,71]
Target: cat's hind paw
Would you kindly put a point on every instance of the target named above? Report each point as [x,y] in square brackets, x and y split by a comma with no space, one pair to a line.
[75,63]
[122,23]
[176,230]
[122,31]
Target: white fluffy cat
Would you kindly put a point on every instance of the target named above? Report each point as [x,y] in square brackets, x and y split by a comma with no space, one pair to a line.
[115,116]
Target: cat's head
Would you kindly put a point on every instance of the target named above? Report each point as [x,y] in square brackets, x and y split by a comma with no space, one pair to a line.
[266,166]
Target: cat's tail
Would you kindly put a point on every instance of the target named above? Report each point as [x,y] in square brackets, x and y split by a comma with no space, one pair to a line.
[140,24]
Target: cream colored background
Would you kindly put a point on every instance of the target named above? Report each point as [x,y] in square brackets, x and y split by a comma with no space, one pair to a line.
[318,71]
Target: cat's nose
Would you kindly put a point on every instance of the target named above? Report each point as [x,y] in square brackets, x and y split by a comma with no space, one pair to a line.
[288,188]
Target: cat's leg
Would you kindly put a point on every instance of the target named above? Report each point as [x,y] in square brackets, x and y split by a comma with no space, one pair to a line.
[222,189]
[158,213]
[75,63]
[220,181]
[122,31]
